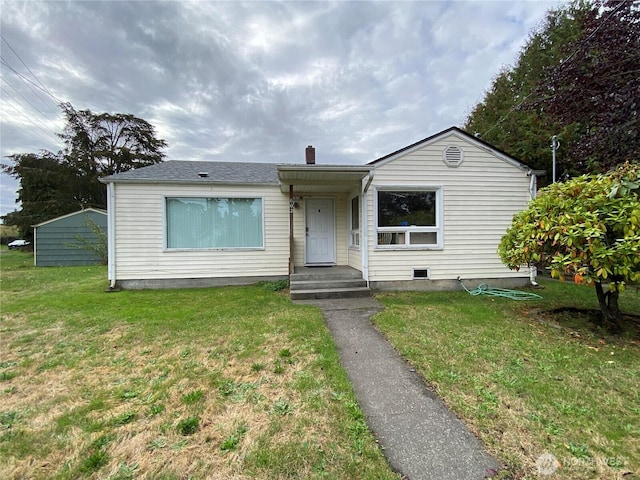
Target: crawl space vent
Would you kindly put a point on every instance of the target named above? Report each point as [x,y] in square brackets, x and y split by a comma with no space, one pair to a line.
[422,273]
[452,156]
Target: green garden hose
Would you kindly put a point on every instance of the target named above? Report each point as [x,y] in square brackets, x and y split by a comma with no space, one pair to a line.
[484,289]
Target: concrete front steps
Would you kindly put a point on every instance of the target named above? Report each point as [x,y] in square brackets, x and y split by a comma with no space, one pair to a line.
[312,283]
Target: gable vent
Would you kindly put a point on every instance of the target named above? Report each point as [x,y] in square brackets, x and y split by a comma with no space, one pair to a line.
[452,156]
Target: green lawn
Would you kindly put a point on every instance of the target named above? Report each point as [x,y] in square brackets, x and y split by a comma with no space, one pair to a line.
[529,381]
[241,383]
[171,384]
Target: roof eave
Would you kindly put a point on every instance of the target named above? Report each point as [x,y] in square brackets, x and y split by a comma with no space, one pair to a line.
[323,168]
[185,182]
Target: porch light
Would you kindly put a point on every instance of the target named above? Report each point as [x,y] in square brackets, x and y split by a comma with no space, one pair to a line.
[294,202]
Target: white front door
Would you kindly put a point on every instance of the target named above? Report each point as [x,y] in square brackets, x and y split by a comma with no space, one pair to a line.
[320,221]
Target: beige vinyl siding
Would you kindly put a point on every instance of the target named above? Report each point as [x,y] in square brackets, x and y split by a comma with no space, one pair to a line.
[299,234]
[480,198]
[341,232]
[355,258]
[140,235]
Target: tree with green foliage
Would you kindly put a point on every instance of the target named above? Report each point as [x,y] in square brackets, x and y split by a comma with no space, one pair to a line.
[587,228]
[45,192]
[596,89]
[104,143]
[96,243]
[577,77]
[95,145]
[503,118]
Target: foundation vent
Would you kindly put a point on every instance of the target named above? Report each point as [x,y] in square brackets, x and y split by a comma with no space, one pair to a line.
[421,273]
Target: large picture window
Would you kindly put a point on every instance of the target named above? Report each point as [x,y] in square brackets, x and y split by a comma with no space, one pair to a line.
[409,218]
[214,222]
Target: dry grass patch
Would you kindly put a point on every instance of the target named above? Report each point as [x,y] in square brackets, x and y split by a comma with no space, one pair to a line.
[211,383]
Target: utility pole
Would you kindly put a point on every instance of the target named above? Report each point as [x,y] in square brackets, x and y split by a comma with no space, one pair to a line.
[554,146]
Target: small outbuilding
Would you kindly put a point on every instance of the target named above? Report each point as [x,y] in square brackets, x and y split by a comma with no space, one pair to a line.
[78,238]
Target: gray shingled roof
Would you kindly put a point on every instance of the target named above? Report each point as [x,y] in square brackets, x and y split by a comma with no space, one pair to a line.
[180,171]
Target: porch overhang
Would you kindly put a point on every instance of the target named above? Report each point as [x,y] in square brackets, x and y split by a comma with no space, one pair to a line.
[321,178]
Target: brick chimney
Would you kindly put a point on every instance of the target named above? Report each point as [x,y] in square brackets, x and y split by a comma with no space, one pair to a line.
[310,155]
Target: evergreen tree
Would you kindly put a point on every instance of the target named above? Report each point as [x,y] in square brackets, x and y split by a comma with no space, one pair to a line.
[95,145]
[577,77]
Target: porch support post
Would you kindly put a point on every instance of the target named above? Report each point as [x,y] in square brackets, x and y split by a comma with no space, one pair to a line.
[290,229]
[364,228]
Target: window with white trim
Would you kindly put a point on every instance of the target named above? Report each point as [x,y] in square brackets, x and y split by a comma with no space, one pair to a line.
[409,218]
[354,222]
[210,223]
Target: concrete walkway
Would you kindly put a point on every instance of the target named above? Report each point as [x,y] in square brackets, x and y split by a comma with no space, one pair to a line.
[421,438]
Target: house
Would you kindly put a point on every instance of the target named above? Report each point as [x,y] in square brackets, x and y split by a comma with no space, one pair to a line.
[73,239]
[417,218]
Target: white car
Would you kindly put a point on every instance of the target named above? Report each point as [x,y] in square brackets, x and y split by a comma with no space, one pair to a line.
[18,244]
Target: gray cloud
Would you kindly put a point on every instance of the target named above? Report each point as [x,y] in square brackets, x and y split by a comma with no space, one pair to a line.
[257,81]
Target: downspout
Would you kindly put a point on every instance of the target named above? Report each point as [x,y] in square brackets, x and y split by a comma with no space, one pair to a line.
[290,229]
[364,235]
[533,270]
[111,234]
[532,184]
[369,180]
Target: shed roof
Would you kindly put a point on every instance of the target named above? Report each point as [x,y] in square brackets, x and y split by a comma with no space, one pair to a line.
[184,171]
[84,210]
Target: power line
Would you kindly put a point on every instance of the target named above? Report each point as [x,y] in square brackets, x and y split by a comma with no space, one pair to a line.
[34,125]
[35,94]
[3,62]
[41,130]
[43,135]
[45,89]
[39,120]
[23,97]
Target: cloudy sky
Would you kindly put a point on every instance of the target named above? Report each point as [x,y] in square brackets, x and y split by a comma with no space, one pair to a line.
[255,81]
